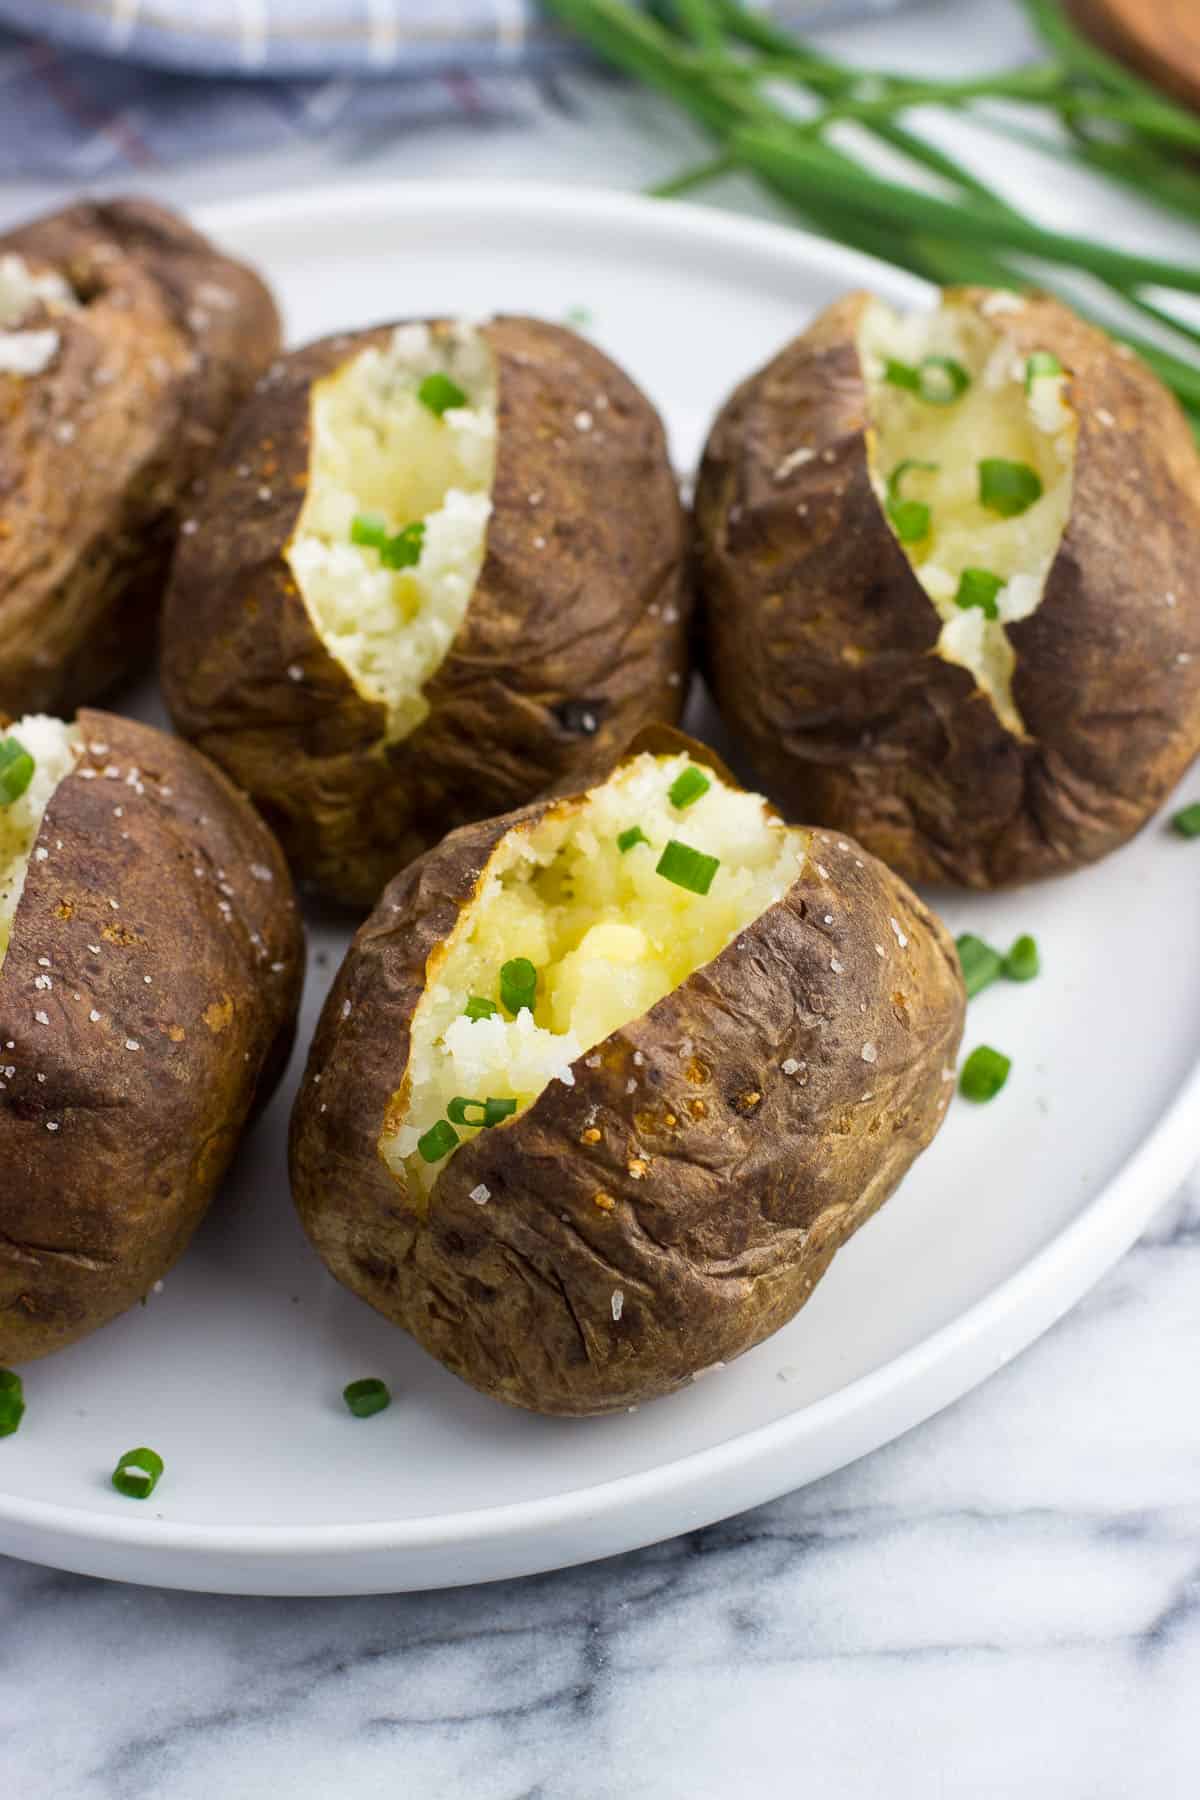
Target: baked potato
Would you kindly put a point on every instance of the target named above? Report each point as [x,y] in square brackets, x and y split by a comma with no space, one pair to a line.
[603,1084]
[439,568]
[950,585]
[126,343]
[150,964]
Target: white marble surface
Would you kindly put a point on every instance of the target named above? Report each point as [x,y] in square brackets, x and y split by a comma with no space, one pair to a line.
[1005,1603]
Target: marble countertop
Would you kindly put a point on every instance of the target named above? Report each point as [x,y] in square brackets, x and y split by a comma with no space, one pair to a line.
[1004,1603]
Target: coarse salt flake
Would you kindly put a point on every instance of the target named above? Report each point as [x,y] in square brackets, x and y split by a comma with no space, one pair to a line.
[900,936]
[618,1304]
[132,1044]
[869,1053]
[481,1195]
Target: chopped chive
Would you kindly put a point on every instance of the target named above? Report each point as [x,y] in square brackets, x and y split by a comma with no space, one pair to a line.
[578,317]
[687,787]
[518,985]
[1008,488]
[439,394]
[941,381]
[984,1073]
[460,1107]
[497,1110]
[1041,363]
[137,1473]
[16,770]
[404,550]
[437,1142]
[370,1395]
[479,1008]
[627,839]
[1187,820]
[12,1401]
[911,518]
[902,375]
[938,380]
[979,587]
[1023,962]
[369,529]
[981,965]
[686,867]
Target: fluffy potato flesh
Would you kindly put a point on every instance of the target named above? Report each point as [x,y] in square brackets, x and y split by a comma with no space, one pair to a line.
[607,934]
[381,452]
[1009,411]
[55,748]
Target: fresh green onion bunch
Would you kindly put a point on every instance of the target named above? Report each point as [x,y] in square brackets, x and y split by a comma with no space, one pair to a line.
[738,75]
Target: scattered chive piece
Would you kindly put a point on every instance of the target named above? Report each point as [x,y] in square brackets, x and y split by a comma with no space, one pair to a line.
[518,984]
[497,1110]
[1042,362]
[479,1008]
[459,1108]
[369,529]
[686,867]
[979,587]
[578,316]
[404,550]
[16,770]
[1008,488]
[1187,821]
[437,1142]
[687,787]
[12,1402]
[627,839]
[911,518]
[439,394]
[370,1395]
[902,375]
[1023,962]
[137,1473]
[984,1073]
[942,381]
[938,380]
[981,965]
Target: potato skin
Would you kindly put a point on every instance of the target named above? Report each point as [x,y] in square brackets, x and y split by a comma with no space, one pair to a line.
[98,453]
[575,635]
[819,641]
[176,923]
[732,1183]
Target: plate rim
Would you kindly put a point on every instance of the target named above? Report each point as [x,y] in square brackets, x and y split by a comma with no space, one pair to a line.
[982,1338]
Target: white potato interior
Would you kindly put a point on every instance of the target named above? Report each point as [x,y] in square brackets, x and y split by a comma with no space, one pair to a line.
[608,935]
[21,294]
[55,748]
[997,417]
[378,449]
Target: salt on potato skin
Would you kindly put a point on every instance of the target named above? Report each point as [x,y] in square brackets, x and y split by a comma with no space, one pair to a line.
[705,1161]
[148,998]
[566,648]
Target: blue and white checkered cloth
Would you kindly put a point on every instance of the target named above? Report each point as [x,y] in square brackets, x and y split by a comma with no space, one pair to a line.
[91,88]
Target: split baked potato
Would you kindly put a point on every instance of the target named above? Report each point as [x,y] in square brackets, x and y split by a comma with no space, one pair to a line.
[603,1084]
[439,568]
[127,341]
[150,964]
[950,587]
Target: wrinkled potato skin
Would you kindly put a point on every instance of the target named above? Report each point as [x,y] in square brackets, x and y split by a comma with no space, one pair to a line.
[198,964]
[819,641]
[597,617]
[732,1183]
[98,453]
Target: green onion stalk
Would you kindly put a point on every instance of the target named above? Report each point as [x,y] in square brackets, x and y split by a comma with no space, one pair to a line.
[728,67]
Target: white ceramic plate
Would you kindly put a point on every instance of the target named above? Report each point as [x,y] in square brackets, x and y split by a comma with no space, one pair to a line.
[234,1372]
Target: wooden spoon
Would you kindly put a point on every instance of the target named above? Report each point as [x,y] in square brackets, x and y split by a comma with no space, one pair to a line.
[1161,38]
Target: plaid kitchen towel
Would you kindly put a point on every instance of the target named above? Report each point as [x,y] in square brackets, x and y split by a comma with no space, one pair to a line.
[89,88]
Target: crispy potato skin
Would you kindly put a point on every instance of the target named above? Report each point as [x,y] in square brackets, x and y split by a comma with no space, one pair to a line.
[731,1183]
[595,620]
[819,641]
[176,924]
[97,453]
